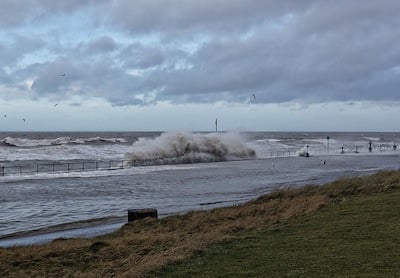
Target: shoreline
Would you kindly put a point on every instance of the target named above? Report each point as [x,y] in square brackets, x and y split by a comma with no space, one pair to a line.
[83,229]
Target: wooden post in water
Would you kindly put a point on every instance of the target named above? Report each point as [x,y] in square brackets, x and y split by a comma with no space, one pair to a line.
[135,214]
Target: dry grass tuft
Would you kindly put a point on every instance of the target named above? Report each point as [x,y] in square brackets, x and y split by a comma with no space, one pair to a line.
[145,245]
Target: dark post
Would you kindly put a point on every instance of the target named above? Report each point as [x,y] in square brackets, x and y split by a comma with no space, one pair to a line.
[135,214]
[307,154]
[327,139]
[370,146]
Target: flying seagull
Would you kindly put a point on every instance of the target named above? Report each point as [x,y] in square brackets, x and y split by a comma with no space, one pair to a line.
[55,104]
[23,119]
[63,74]
[254,96]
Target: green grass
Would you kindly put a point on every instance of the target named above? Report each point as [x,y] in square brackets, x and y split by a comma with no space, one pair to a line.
[359,237]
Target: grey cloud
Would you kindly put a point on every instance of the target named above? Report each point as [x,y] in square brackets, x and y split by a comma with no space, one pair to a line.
[14,13]
[177,18]
[102,44]
[332,16]
[18,13]
[17,47]
[55,77]
[205,51]
[319,65]
[138,56]
[87,80]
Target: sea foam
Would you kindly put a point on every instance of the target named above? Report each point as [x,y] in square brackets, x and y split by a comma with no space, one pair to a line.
[23,142]
[184,147]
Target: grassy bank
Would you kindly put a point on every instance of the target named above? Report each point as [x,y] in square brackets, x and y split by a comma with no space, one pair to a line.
[350,227]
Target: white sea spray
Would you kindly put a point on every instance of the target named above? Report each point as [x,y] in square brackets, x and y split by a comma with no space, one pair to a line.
[184,147]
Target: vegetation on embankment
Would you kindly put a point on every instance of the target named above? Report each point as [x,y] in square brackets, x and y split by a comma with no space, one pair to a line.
[349,227]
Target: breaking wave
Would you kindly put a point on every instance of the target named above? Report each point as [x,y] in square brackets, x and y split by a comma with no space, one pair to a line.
[23,142]
[180,148]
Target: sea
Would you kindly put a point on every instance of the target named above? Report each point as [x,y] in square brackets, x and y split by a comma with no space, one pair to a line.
[81,184]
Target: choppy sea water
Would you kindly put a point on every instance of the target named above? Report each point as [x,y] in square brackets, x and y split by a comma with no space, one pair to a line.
[173,172]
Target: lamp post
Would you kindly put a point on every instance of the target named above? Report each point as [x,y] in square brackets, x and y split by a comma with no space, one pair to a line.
[327,139]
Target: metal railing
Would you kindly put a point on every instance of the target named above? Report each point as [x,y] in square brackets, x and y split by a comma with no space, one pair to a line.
[90,165]
[283,153]
[63,167]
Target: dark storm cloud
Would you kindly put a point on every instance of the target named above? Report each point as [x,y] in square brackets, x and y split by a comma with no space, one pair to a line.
[15,13]
[55,77]
[103,44]
[183,17]
[64,78]
[206,51]
[281,50]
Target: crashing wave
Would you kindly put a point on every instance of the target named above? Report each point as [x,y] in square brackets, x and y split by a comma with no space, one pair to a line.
[23,142]
[303,152]
[183,148]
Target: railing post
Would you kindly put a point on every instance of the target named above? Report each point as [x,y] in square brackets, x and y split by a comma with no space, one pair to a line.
[37,168]
[122,164]
[68,167]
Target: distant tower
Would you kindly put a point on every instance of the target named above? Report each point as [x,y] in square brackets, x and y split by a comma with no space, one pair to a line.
[216,125]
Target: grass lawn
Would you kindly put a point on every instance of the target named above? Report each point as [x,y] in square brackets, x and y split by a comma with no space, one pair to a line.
[359,237]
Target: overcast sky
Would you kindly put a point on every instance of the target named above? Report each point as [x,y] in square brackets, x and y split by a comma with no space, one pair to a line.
[178,64]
